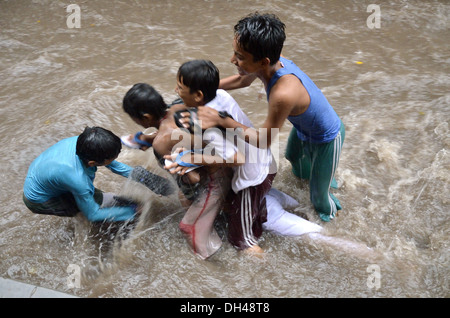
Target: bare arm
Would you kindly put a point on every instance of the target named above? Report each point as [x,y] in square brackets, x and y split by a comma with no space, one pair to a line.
[210,161]
[281,103]
[287,97]
[236,81]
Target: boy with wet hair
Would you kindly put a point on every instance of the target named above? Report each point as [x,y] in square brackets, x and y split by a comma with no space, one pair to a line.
[201,77]
[147,108]
[315,142]
[60,180]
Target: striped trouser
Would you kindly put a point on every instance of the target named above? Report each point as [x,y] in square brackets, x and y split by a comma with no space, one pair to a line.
[318,164]
[246,212]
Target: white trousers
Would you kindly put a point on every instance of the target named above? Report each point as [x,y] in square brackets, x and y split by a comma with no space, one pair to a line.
[280,221]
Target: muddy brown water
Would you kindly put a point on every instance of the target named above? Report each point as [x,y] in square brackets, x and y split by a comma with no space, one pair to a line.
[390,85]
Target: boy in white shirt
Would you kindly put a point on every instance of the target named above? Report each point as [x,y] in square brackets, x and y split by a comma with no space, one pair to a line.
[245,206]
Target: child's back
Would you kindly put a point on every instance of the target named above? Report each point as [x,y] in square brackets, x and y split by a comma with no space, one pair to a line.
[170,135]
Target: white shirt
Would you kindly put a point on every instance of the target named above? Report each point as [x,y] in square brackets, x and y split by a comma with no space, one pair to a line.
[258,162]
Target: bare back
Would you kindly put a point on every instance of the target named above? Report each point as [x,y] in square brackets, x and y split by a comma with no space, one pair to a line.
[170,135]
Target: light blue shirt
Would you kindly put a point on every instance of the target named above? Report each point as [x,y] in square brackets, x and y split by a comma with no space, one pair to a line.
[58,170]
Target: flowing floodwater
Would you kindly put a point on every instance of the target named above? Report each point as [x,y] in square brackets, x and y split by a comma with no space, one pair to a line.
[389,84]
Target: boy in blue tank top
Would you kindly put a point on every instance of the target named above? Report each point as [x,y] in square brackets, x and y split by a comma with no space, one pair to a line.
[315,142]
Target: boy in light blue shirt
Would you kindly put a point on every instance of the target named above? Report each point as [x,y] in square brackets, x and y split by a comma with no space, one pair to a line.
[61,180]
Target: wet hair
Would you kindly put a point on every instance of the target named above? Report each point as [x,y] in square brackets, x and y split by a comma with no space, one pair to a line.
[261,35]
[144,99]
[98,144]
[200,75]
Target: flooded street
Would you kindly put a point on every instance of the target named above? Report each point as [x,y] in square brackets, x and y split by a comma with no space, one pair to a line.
[389,85]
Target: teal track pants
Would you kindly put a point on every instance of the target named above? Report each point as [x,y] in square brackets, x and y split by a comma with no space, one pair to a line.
[317,163]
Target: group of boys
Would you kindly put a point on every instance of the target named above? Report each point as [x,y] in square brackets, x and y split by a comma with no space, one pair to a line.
[214,172]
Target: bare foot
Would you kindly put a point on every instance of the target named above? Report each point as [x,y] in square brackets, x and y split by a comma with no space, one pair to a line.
[255,250]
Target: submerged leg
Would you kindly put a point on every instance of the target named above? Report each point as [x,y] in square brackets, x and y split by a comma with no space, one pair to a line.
[350,248]
[198,223]
[324,164]
[280,221]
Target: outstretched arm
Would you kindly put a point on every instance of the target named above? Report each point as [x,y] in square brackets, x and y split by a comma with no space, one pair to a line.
[287,97]
[236,81]
[280,106]
[182,159]
[94,213]
[120,168]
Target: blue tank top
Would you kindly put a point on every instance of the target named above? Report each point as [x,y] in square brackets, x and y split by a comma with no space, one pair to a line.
[319,123]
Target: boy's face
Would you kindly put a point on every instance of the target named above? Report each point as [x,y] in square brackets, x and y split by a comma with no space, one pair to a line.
[189,99]
[243,60]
